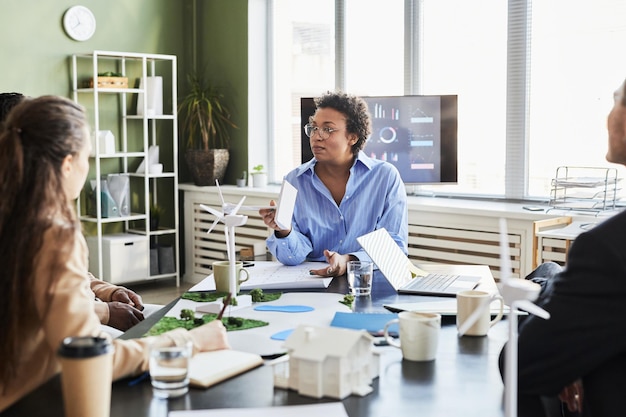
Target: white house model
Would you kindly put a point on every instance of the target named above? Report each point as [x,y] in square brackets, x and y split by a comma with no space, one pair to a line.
[328,362]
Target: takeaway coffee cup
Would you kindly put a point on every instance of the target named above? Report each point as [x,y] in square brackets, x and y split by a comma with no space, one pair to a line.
[468,301]
[86,372]
[221,273]
[419,335]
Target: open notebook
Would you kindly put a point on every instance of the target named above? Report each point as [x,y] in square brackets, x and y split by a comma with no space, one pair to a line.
[405,277]
[209,368]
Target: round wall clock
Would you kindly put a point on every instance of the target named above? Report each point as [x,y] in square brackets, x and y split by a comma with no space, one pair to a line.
[79,23]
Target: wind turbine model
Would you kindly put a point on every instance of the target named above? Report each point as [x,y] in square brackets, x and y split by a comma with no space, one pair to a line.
[231,219]
[518,294]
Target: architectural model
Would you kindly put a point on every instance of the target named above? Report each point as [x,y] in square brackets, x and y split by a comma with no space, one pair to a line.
[328,362]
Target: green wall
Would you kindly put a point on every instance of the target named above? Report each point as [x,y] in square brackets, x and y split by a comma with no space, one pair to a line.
[34,49]
[223,52]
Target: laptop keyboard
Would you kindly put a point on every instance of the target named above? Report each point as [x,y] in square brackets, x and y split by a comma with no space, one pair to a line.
[432,282]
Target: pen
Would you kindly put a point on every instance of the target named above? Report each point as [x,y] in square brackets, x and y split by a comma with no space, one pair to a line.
[226,303]
[137,380]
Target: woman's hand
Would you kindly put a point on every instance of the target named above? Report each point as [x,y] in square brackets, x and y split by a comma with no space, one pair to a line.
[337,265]
[210,336]
[268,216]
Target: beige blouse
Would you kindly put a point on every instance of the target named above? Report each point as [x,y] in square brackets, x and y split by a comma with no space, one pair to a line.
[65,307]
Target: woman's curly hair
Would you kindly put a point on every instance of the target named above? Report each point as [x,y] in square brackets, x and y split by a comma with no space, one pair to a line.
[356,111]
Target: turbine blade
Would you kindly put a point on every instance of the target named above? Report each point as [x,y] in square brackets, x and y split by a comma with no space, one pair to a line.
[532,308]
[212,211]
[238,206]
[219,190]
[213,225]
[472,318]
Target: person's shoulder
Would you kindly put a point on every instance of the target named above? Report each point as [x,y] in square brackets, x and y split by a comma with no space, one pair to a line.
[613,224]
[611,231]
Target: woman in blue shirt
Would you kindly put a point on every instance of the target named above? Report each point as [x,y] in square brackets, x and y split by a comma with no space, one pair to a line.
[342,193]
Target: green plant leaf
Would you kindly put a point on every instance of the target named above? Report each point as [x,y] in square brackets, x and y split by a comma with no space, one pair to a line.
[205,118]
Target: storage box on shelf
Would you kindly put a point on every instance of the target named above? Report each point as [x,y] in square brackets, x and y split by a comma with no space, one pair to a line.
[109,82]
[126,119]
[123,257]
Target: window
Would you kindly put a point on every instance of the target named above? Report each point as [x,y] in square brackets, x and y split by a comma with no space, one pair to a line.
[534,79]
[464,53]
[576,64]
[303,33]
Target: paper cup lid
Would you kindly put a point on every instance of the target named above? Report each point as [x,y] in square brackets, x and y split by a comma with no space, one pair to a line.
[84,347]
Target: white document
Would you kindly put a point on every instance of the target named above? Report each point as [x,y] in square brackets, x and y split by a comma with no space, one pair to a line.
[286,204]
[268,275]
[334,409]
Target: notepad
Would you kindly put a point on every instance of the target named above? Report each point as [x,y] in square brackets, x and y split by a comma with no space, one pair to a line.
[209,368]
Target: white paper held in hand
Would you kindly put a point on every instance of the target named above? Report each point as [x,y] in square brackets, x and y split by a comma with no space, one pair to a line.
[286,204]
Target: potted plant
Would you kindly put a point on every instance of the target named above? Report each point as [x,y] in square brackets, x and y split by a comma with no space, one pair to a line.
[156,212]
[259,177]
[241,182]
[206,124]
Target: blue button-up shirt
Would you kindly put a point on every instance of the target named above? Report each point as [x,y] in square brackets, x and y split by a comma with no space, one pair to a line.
[375,197]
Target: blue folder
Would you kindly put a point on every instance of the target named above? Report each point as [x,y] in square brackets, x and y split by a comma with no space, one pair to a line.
[374,323]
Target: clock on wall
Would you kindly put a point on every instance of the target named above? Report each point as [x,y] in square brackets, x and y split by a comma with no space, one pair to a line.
[79,23]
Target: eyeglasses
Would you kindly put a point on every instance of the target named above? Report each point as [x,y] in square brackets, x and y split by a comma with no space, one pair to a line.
[324,132]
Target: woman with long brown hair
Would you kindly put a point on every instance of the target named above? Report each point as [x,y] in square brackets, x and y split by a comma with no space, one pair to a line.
[44,286]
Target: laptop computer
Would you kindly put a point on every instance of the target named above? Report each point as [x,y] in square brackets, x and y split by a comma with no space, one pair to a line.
[405,277]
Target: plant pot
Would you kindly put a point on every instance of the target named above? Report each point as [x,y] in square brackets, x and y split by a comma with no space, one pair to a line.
[207,166]
[259,180]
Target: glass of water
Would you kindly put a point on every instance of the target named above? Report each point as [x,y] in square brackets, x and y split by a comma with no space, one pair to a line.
[169,370]
[360,277]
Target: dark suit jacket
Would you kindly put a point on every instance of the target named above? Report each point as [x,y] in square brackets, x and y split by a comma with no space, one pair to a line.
[586,333]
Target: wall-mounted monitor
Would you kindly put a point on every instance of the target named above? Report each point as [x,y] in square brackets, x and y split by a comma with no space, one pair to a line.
[417,134]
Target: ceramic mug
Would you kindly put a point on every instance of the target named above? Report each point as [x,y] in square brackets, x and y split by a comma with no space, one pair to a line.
[468,301]
[221,273]
[419,335]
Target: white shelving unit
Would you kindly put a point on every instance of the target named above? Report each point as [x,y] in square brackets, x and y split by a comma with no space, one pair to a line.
[122,245]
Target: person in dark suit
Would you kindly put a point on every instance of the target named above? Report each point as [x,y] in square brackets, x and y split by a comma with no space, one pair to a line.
[579,354]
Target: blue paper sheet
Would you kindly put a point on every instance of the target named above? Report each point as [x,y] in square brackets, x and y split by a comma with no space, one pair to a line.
[374,323]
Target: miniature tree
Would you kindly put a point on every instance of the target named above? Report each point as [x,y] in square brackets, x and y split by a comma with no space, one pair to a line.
[187,314]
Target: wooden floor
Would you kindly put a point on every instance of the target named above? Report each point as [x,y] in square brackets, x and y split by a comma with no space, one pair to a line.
[159,291]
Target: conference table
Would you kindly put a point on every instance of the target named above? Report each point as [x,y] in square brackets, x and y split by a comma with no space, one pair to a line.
[463,380]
